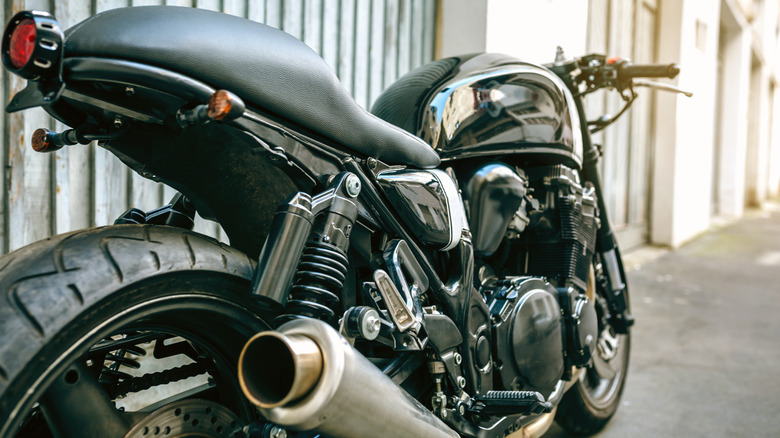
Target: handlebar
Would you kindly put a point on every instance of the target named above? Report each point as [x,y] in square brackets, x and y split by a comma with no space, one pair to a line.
[628,71]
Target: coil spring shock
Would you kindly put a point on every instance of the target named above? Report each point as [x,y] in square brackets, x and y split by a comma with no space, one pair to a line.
[318,283]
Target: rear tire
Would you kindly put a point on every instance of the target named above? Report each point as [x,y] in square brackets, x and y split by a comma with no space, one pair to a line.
[66,294]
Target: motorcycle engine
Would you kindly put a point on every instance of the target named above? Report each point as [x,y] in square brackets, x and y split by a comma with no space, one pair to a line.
[534,232]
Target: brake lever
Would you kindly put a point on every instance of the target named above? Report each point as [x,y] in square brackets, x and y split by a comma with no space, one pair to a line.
[660,86]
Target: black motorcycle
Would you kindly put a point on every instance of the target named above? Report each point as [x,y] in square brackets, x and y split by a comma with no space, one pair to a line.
[442,267]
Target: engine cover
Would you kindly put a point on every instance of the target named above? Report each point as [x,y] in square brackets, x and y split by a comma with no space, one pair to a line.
[527,328]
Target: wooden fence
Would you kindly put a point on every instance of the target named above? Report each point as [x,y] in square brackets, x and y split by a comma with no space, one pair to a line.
[368,43]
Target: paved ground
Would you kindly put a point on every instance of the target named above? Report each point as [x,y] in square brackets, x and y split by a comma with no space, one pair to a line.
[706,346]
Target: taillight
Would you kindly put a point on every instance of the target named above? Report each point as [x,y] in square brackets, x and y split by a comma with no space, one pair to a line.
[22,43]
[32,45]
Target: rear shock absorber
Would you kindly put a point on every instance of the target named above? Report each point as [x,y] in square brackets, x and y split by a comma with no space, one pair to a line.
[319,281]
[322,271]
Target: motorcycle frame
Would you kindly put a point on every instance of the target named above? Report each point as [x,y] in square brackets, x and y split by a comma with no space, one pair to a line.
[310,160]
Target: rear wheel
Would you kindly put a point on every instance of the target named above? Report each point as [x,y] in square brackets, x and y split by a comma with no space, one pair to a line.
[590,404]
[124,331]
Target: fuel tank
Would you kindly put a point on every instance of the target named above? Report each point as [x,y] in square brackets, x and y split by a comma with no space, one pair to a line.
[487,105]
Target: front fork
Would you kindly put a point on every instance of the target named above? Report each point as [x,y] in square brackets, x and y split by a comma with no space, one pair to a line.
[606,243]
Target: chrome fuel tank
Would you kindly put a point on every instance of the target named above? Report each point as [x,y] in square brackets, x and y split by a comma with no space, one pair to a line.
[494,105]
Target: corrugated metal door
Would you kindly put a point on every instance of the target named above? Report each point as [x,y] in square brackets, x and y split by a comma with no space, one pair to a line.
[626,29]
[368,43]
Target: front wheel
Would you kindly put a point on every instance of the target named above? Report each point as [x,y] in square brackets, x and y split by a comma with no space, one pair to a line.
[595,397]
[124,331]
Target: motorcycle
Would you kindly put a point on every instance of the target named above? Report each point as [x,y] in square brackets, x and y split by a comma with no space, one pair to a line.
[442,267]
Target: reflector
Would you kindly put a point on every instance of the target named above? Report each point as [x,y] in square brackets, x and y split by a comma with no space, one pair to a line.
[22,43]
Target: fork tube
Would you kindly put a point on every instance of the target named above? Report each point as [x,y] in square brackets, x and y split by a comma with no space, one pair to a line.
[590,172]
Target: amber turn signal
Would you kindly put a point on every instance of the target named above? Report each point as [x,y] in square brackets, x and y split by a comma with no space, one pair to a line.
[41,140]
[225,106]
[44,140]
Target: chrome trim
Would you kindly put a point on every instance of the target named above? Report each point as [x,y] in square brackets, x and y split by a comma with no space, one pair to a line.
[352,398]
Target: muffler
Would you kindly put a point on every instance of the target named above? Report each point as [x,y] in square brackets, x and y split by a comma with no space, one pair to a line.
[305,376]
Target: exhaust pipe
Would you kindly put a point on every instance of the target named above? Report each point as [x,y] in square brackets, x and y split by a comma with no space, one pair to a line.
[305,376]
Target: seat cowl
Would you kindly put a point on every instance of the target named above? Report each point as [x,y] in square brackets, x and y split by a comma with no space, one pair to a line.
[266,67]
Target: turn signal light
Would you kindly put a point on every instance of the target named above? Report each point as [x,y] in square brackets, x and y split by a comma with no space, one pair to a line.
[225,106]
[41,140]
[32,45]
[44,140]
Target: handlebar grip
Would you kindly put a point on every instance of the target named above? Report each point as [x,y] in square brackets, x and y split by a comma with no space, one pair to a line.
[631,71]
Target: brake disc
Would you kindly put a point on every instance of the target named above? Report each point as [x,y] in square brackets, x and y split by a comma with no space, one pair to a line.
[200,418]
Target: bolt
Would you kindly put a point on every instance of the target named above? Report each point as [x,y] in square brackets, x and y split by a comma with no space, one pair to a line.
[372,163]
[353,185]
[129,91]
[462,408]
[118,122]
[278,432]
[458,358]
[372,324]
[461,381]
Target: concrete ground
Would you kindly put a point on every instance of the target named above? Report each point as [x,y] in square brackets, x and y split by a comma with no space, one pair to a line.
[705,358]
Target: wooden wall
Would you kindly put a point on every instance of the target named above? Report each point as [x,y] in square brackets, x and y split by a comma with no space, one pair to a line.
[368,43]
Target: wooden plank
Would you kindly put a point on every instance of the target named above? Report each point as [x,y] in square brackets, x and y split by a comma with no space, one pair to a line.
[312,31]
[104,5]
[234,7]
[346,66]
[29,191]
[211,5]
[185,3]
[73,190]
[404,39]
[29,174]
[292,21]
[429,36]
[376,51]
[255,10]
[362,55]
[273,13]
[417,32]
[390,62]
[330,33]
[4,147]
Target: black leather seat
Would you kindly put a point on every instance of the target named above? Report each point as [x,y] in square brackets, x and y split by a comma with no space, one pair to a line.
[266,67]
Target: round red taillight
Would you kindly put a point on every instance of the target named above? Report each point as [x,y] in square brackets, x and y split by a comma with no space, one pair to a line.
[22,43]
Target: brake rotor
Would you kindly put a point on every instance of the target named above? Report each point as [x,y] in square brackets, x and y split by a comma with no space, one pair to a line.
[189,418]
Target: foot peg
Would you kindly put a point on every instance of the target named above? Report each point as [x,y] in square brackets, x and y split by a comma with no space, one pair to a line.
[501,403]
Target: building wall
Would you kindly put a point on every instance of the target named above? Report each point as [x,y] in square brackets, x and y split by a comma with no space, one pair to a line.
[369,44]
[706,157]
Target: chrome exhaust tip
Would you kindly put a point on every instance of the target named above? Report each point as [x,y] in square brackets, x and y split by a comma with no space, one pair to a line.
[295,369]
[306,376]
